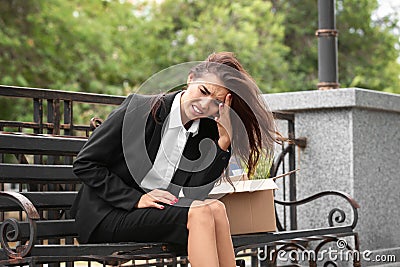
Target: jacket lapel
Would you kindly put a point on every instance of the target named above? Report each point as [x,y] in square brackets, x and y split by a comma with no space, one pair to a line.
[155,128]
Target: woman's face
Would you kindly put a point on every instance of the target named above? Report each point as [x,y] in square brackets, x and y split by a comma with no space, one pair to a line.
[202,97]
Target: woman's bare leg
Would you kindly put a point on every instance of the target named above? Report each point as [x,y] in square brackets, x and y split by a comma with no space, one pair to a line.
[202,245]
[226,254]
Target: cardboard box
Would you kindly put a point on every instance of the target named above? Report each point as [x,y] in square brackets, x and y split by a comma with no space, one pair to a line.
[251,207]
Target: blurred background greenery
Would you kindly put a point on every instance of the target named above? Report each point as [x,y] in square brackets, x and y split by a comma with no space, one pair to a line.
[113,46]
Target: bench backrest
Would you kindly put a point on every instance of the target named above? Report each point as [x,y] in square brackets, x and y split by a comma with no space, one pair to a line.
[23,145]
[51,188]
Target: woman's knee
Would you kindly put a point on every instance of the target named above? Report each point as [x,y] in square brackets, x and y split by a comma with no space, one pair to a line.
[200,213]
[218,208]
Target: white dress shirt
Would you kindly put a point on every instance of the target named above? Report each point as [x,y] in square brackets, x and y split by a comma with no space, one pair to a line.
[173,141]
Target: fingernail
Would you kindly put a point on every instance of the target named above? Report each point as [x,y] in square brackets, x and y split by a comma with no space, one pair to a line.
[173,202]
[161,207]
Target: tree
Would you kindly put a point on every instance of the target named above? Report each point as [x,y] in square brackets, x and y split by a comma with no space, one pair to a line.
[73,45]
[69,45]
[113,46]
[249,28]
[367,47]
[368,54]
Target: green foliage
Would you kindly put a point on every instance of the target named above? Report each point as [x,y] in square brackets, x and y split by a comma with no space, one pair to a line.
[300,23]
[249,28]
[367,58]
[367,47]
[72,45]
[113,46]
[263,167]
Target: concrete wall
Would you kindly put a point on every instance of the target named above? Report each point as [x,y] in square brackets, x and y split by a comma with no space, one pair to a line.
[353,145]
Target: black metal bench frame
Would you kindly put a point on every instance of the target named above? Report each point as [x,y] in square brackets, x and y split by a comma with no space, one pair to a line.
[31,252]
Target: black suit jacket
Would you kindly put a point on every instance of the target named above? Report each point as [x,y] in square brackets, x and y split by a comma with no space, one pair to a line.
[111,172]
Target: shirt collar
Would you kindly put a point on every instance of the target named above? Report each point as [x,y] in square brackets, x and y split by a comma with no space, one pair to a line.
[175,119]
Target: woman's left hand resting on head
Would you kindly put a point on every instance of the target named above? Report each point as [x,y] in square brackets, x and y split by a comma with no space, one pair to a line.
[224,123]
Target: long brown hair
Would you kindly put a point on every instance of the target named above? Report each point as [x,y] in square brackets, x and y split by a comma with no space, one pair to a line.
[251,116]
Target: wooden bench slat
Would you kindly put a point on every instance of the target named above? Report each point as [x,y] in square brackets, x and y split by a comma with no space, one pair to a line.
[243,240]
[42,200]
[48,125]
[91,250]
[50,229]
[36,173]
[94,249]
[34,144]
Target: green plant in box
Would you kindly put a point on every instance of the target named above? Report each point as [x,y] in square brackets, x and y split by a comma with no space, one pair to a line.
[263,168]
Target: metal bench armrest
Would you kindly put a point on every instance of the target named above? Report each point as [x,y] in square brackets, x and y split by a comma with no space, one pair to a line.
[338,219]
[10,228]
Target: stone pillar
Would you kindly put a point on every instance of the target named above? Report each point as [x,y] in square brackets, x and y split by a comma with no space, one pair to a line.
[353,145]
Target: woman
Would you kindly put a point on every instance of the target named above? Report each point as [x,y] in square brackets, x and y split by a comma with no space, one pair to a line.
[187,138]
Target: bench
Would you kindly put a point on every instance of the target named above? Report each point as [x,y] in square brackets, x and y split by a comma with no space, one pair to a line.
[42,226]
[44,232]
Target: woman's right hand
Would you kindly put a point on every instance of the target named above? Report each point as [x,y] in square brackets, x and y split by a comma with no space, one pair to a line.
[154,198]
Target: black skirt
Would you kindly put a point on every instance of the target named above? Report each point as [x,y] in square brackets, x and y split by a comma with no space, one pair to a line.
[167,225]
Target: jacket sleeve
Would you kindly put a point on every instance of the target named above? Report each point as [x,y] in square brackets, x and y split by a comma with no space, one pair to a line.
[102,149]
[201,183]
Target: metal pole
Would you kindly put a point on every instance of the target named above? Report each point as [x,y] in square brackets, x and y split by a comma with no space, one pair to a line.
[327,46]
[292,177]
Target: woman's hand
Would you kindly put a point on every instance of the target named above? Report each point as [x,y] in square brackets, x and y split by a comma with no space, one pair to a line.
[224,123]
[154,198]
